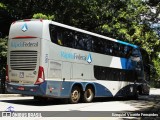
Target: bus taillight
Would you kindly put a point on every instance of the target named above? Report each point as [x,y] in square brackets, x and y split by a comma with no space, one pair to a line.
[40,78]
[7,77]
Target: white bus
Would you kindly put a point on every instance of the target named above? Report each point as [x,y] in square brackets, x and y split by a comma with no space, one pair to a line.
[50,59]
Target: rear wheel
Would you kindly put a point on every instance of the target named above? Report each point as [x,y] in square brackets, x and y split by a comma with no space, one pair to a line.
[88,94]
[75,95]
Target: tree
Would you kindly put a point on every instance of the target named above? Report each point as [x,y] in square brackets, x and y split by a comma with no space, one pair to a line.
[3,55]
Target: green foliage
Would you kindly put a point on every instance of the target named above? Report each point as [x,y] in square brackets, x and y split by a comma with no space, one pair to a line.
[2,6]
[42,16]
[157,67]
[3,47]
[3,55]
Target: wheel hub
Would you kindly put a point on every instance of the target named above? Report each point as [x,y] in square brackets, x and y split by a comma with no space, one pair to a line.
[75,95]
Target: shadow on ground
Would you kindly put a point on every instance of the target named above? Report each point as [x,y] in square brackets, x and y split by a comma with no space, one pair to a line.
[32,102]
[50,101]
[144,104]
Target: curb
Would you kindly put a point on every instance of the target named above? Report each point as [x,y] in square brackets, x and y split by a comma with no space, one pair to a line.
[10,95]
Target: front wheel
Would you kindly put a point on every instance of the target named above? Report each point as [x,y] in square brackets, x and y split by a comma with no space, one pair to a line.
[75,95]
[88,95]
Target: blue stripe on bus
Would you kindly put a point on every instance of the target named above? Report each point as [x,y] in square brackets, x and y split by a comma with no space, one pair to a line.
[124,63]
[38,90]
[125,43]
[63,89]
[127,64]
[102,91]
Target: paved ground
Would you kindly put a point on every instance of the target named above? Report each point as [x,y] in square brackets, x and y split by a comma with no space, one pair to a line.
[150,104]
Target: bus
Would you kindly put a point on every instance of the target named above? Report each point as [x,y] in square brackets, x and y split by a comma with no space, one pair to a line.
[47,59]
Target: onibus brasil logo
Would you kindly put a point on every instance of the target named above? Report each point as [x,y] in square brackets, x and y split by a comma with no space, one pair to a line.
[9,112]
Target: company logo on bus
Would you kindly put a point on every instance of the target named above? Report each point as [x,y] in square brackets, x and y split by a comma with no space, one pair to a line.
[76,56]
[23,44]
[24,27]
[89,58]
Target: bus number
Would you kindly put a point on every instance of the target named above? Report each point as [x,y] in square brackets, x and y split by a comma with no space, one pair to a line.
[46,58]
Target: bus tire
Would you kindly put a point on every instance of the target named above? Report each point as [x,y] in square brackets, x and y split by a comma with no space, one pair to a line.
[75,95]
[88,94]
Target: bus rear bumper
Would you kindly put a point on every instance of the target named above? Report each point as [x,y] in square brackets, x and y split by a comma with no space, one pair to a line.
[33,90]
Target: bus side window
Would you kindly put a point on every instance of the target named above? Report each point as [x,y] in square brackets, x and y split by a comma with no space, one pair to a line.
[98,45]
[128,51]
[135,56]
[88,43]
[68,38]
[53,34]
[83,42]
[108,48]
[115,49]
[121,51]
[59,39]
[80,41]
[102,46]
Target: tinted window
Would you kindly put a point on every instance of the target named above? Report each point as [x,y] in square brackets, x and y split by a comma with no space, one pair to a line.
[114,74]
[53,33]
[78,40]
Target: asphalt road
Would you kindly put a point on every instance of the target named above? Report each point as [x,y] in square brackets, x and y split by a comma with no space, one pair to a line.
[99,109]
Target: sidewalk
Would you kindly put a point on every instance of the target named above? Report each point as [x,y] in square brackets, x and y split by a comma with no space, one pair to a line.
[10,95]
